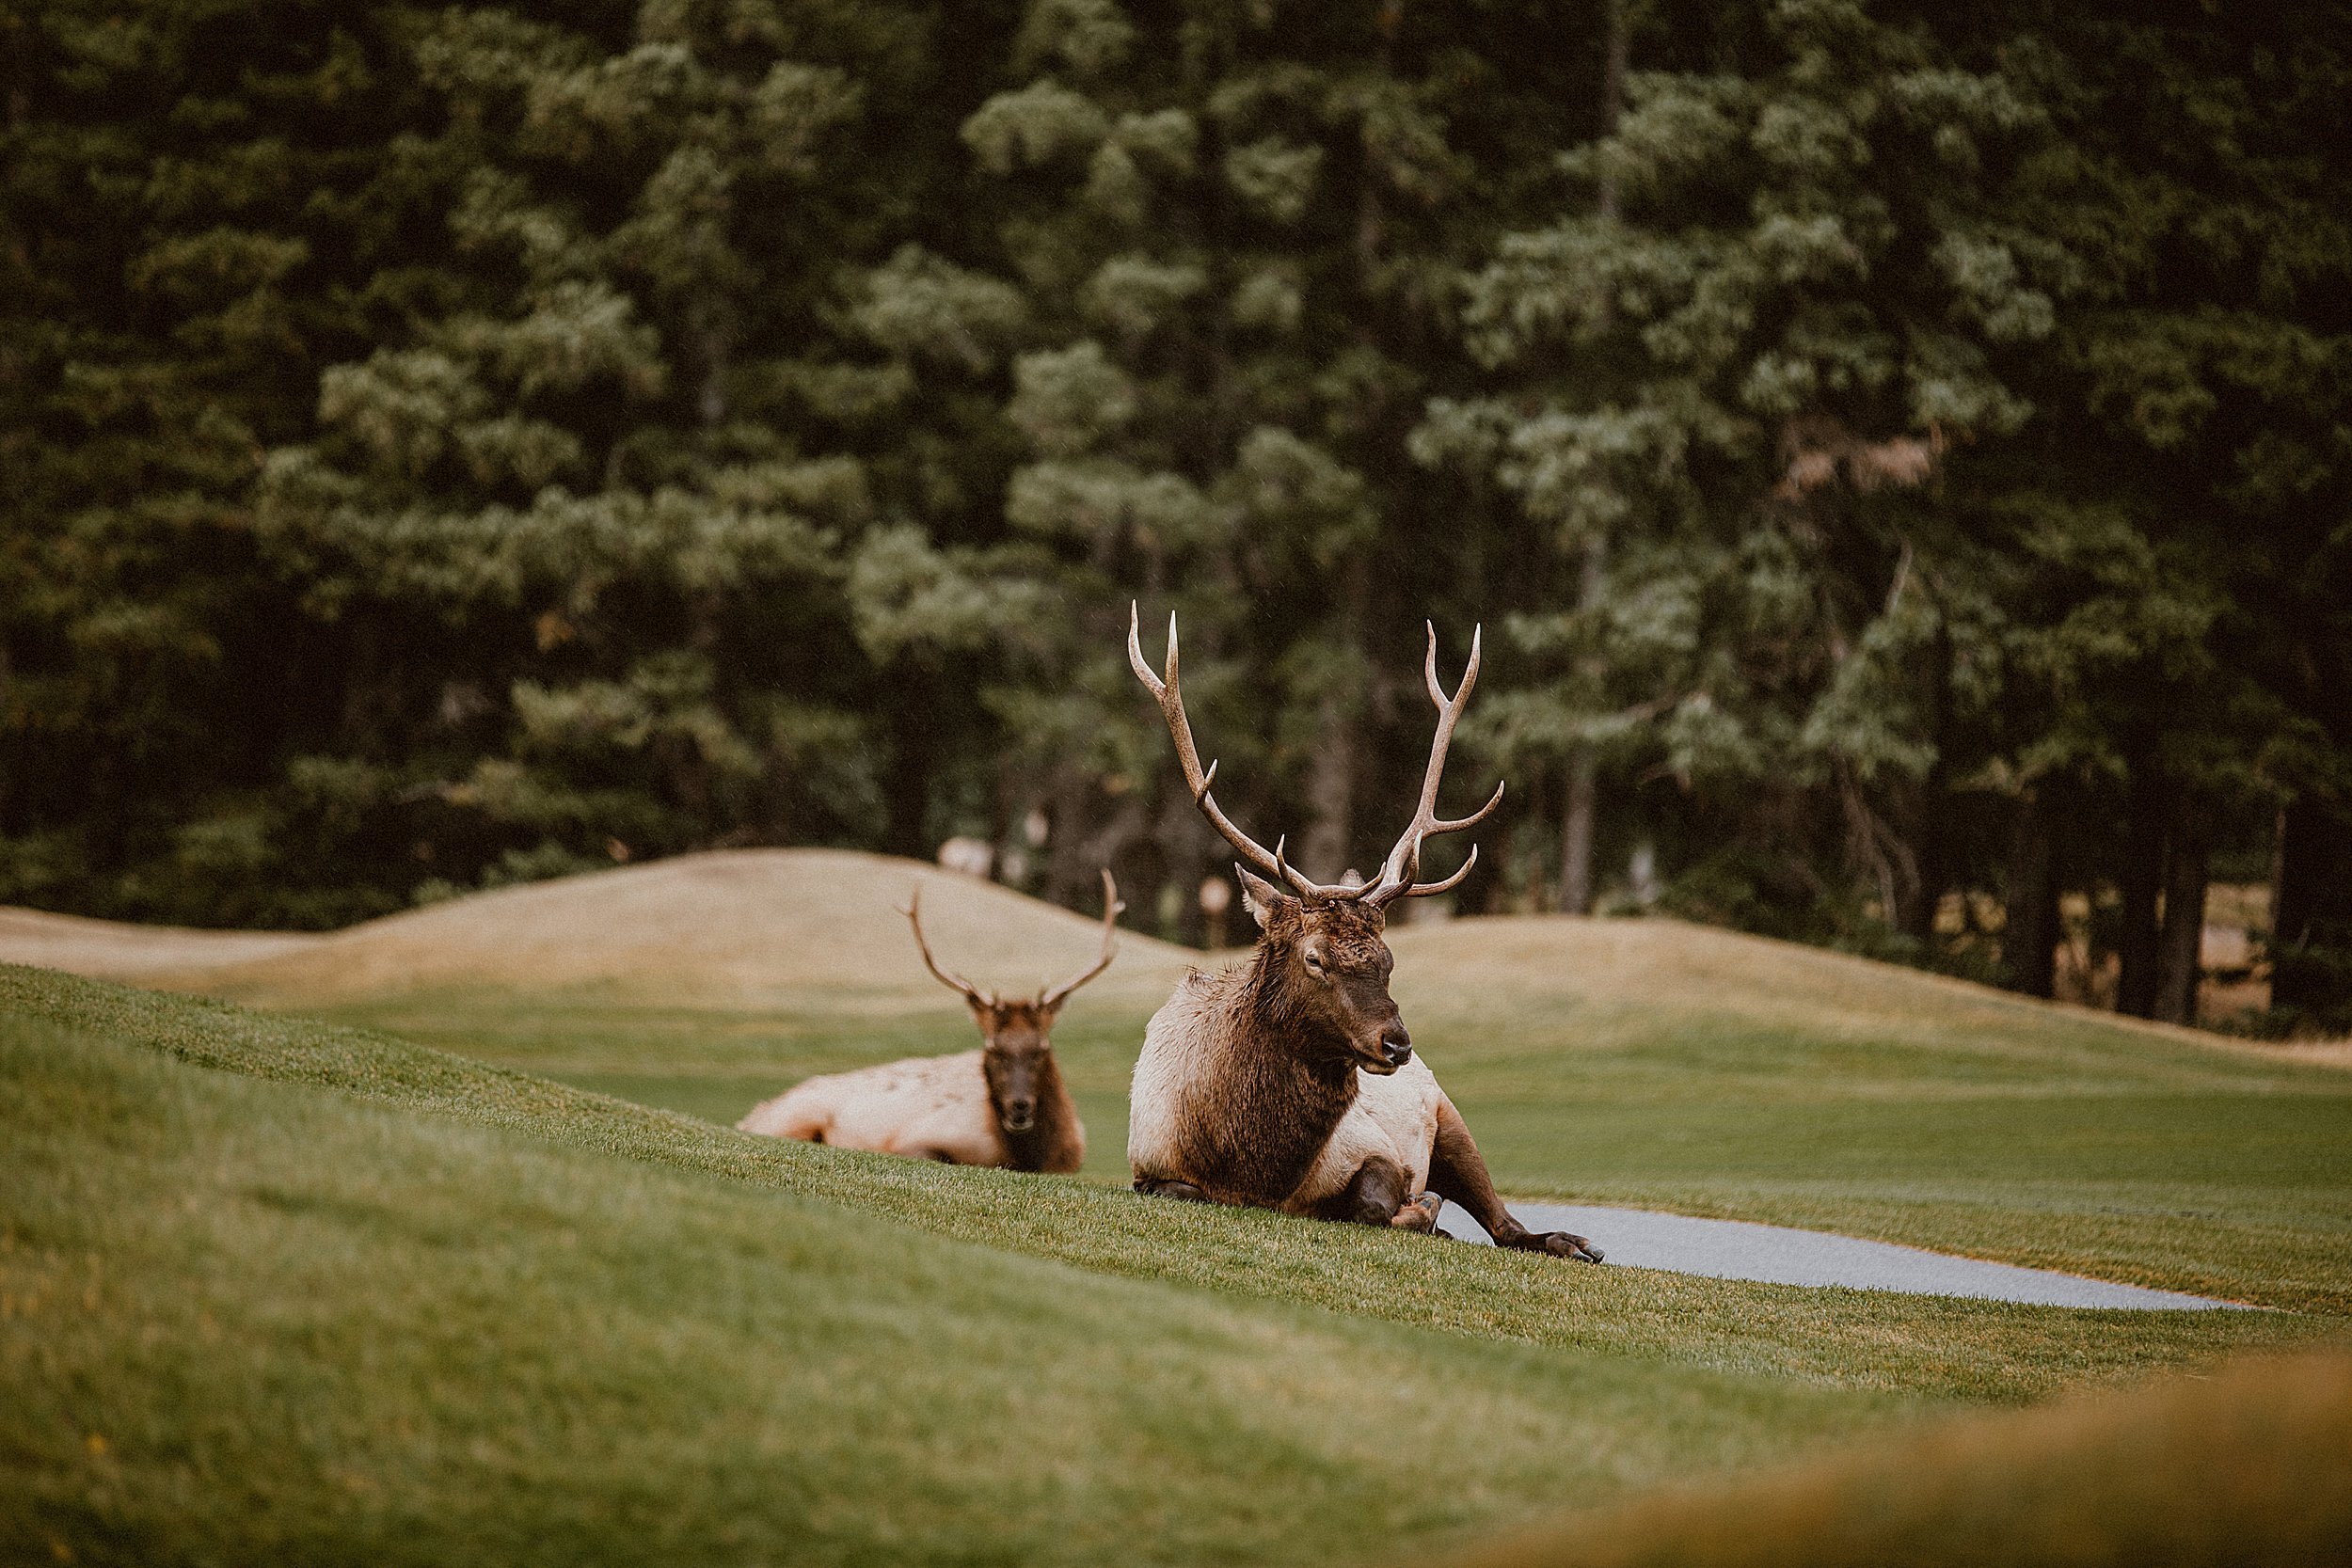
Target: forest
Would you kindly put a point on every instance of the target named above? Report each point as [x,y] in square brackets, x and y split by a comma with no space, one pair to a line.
[1897,456]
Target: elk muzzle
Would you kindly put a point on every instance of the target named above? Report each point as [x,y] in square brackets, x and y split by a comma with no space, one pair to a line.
[1395,1049]
[1019,1114]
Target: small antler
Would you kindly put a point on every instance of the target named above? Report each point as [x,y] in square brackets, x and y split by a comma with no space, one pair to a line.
[1052,1000]
[1199,779]
[1404,862]
[914,912]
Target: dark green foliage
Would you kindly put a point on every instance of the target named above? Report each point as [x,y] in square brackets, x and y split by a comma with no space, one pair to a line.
[1895,451]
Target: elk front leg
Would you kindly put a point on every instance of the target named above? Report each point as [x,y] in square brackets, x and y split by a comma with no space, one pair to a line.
[1380,1194]
[1458,1172]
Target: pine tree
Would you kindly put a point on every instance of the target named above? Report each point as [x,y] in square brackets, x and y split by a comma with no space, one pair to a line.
[591,585]
[1238,237]
[1741,379]
[192,200]
[2198,473]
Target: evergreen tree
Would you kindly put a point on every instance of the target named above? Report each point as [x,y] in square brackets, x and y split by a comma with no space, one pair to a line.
[192,197]
[2199,471]
[1740,377]
[590,582]
[1237,233]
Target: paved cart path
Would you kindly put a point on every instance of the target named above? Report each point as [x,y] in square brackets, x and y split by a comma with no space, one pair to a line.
[1734,1249]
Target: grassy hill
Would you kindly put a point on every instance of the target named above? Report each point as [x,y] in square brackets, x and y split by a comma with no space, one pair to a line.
[1632,1061]
[278,1289]
[253,1320]
[738,929]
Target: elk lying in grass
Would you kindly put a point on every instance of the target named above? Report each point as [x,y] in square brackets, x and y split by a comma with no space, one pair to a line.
[1291,1082]
[1002,1105]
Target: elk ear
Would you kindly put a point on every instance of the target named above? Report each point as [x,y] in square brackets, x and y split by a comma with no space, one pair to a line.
[1267,902]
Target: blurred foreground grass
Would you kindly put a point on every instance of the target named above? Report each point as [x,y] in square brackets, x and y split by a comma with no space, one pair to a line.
[2245,1466]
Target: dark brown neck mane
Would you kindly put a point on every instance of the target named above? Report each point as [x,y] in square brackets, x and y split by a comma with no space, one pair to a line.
[1282,1080]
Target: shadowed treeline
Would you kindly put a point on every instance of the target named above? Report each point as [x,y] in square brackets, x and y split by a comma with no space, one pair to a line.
[1894,453]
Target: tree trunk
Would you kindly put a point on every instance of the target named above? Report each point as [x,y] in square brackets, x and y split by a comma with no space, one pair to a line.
[1576,834]
[1330,836]
[1582,802]
[907,789]
[2180,945]
[1189,853]
[2029,934]
[1931,800]
[2310,923]
[1322,848]
[2142,879]
[1583,796]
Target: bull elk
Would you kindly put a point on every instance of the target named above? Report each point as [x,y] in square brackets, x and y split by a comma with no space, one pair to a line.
[1291,1082]
[1001,1105]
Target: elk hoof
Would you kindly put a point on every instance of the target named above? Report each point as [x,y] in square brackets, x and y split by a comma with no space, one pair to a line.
[1418,1214]
[1560,1244]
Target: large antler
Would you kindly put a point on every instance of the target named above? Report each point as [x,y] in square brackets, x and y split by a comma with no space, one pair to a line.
[914,912]
[1402,866]
[1198,778]
[1404,862]
[1053,999]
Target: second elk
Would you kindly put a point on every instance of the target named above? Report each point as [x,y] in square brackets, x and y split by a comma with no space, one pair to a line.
[1001,1105]
[1291,1082]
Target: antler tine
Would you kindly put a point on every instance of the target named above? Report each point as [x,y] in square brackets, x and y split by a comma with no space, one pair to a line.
[1426,889]
[1198,778]
[1402,866]
[1053,999]
[914,912]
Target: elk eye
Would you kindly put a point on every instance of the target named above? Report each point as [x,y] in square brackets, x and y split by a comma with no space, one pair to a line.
[1314,962]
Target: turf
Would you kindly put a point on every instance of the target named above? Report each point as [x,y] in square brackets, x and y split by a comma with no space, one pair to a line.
[1861,1340]
[310,1316]
[1626,1061]
[1879,1104]
[272,1287]
[277,1289]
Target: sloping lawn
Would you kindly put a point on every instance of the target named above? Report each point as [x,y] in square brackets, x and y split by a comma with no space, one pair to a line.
[247,1320]
[274,1290]
[1660,1066]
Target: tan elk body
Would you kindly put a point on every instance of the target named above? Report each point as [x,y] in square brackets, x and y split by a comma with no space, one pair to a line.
[1001,1105]
[1291,1082]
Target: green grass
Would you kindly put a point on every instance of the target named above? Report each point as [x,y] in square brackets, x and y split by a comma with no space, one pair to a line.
[1863,1341]
[298,1291]
[1629,1061]
[1918,1112]
[342,1300]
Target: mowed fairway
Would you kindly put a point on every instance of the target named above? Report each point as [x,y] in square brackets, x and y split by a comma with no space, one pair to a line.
[1640,1062]
[256,1320]
[275,1288]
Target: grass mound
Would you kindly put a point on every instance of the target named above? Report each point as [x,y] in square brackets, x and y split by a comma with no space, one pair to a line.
[1635,1062]
[2244,1467]
[741,926]
[119,951]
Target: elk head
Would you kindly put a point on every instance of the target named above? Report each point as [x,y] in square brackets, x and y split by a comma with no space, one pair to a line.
[1017,1054]
[1323,958]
